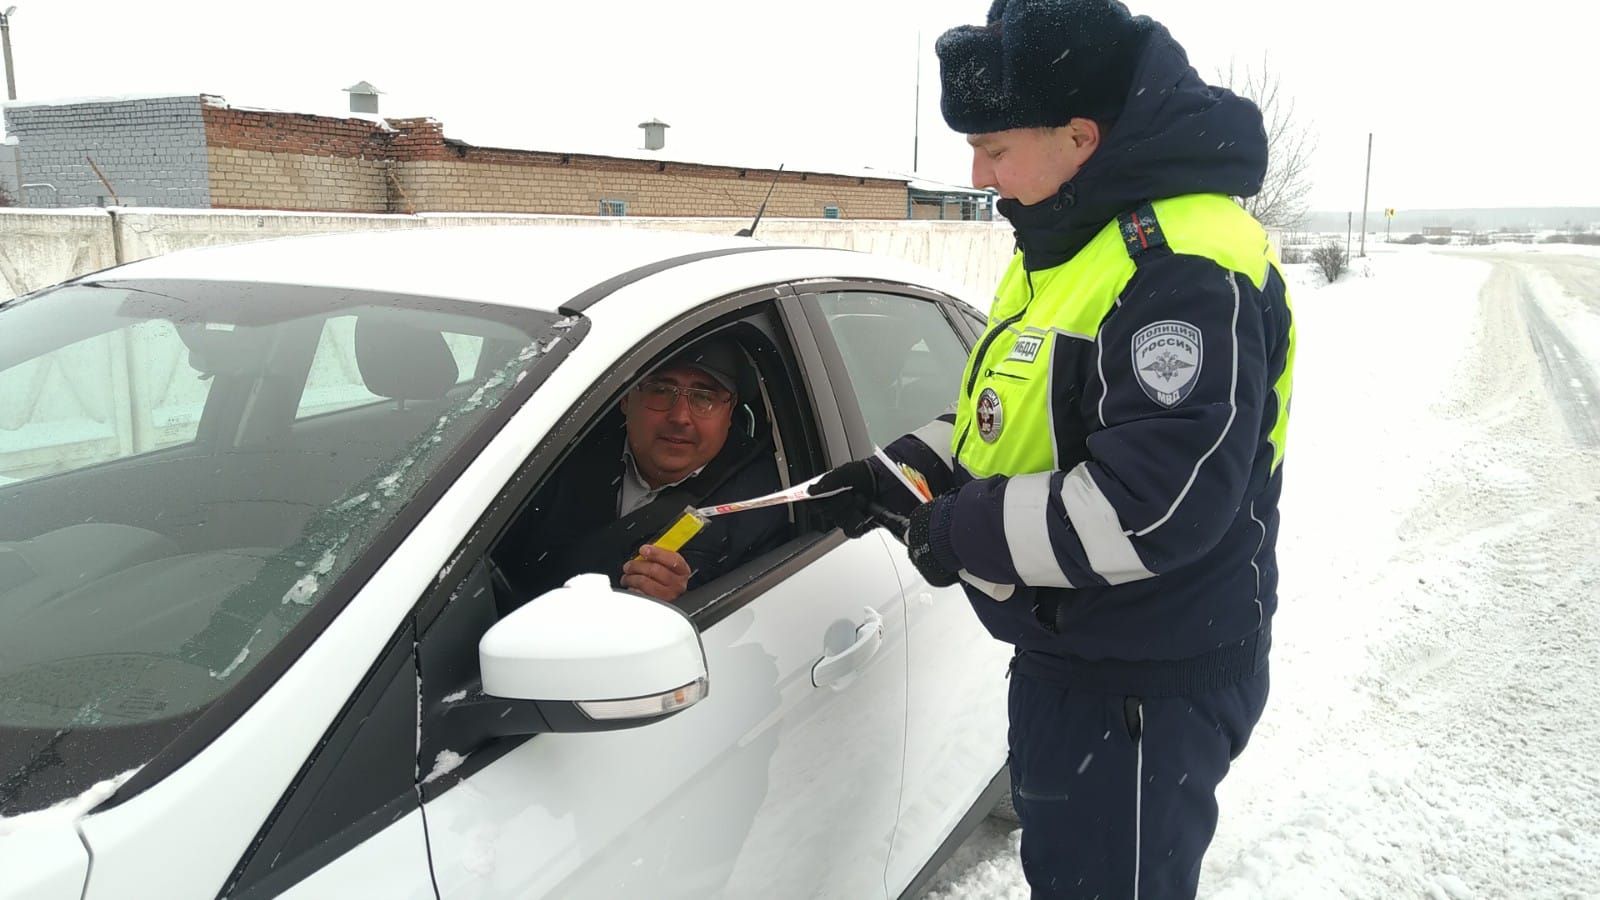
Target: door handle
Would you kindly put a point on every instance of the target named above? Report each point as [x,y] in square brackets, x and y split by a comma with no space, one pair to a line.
[869,637]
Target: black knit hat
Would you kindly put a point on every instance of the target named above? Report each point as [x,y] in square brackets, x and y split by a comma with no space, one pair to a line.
[1040,63]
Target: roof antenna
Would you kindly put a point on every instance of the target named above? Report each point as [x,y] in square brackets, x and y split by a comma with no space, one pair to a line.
[751,231]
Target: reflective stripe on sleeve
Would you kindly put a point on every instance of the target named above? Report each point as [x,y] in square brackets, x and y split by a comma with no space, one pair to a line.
[1027,506]
[1106,545]
[939,436]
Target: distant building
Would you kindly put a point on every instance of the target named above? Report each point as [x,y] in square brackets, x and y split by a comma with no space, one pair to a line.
[200,152]
[937,200]
[10,182]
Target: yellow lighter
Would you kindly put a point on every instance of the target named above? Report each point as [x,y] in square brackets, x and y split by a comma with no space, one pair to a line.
[680,531]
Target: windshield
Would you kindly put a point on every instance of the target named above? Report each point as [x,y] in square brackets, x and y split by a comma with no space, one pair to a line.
[186,471]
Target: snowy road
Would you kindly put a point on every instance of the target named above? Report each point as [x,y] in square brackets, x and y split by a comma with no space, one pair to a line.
[1434,729]
[1570,376]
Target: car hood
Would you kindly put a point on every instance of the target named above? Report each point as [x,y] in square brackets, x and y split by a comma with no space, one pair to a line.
[43,853]
[43,856]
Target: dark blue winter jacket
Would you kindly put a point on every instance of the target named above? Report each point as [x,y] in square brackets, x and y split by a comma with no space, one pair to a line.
[1116,455]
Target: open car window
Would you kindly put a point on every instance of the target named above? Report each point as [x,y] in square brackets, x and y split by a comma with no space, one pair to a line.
[771,433]
[504,564]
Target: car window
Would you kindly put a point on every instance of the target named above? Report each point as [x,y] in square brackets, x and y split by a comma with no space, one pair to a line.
[138,587]
[570,495]
[903,356]
[127,391]
[335,382]
[571,524]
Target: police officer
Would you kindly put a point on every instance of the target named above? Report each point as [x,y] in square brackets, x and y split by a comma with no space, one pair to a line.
[1114,463]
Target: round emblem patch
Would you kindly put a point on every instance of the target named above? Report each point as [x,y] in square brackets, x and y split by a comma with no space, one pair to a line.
[1167,357]
[991,415]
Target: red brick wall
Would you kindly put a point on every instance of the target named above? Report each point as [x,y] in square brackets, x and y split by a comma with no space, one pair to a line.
[275,132]
[274,160]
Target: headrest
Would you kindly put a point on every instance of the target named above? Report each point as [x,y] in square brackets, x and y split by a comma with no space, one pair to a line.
[401,362]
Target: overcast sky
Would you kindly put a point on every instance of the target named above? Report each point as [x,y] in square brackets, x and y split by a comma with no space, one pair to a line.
[1472,104]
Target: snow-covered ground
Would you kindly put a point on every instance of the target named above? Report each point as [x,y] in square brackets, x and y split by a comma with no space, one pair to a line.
[1434,725]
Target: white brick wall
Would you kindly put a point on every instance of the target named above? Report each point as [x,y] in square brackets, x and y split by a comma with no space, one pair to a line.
[153,151]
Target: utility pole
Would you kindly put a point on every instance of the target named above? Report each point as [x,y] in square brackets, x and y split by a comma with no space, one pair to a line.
[1349,223]
[5,47]
[1365,192]
[916,110]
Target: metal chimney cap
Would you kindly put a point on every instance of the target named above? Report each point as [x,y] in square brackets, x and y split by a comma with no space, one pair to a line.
[362,87]
[654,123]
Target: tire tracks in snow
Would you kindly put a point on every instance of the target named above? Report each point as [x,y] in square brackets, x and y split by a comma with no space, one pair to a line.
[1466,764]
[1493,690]
[1571,379]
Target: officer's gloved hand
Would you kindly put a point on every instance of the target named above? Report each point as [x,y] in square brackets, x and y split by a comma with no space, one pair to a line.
[850,508]
[919,546]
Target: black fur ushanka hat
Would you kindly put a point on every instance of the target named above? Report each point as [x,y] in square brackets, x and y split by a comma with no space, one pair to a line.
[1039,63]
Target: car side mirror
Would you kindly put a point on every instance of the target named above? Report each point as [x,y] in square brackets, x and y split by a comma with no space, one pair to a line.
[587,658]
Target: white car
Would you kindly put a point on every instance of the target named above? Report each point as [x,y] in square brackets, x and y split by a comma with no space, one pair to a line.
[253,642]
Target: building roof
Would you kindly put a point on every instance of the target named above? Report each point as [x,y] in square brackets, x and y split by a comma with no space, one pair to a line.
[682,157]
[79,101]
[939,187]
[501,143]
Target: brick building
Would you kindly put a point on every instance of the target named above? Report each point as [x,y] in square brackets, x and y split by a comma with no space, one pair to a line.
[200,152]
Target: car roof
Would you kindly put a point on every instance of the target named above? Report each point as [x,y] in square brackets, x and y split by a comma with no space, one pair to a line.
[536,267]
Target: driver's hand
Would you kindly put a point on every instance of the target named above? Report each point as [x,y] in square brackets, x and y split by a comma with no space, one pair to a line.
[657,573]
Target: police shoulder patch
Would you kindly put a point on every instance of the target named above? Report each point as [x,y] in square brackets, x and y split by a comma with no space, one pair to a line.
[1141,231]
[1167,357]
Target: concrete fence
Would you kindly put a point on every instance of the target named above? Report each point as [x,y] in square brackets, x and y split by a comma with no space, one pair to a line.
[133,391]
[39,248]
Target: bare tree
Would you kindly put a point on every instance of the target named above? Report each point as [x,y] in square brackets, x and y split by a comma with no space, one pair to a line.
[5,198]
[1284,198]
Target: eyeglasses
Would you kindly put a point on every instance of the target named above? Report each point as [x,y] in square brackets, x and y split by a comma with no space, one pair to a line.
[662,396]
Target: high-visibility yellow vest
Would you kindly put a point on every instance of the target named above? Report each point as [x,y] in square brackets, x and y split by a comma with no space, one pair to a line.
[1004,421]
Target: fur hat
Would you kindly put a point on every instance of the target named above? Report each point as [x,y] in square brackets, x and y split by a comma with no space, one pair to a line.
[1040,63]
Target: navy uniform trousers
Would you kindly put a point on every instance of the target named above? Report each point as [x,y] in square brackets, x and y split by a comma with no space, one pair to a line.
[1117,794]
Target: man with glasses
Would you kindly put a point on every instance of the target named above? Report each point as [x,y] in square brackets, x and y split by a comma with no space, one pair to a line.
[678,448]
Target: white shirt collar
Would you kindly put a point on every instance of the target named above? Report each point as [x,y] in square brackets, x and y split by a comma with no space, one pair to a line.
[636,491]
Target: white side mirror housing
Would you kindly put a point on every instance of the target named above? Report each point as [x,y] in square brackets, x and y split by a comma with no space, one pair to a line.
[617,656]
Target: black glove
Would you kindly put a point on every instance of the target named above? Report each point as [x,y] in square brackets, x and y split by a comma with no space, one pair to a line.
[850,509]
[919,546]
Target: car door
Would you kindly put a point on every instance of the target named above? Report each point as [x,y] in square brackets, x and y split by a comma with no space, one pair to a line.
[783,782]
[904,354]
